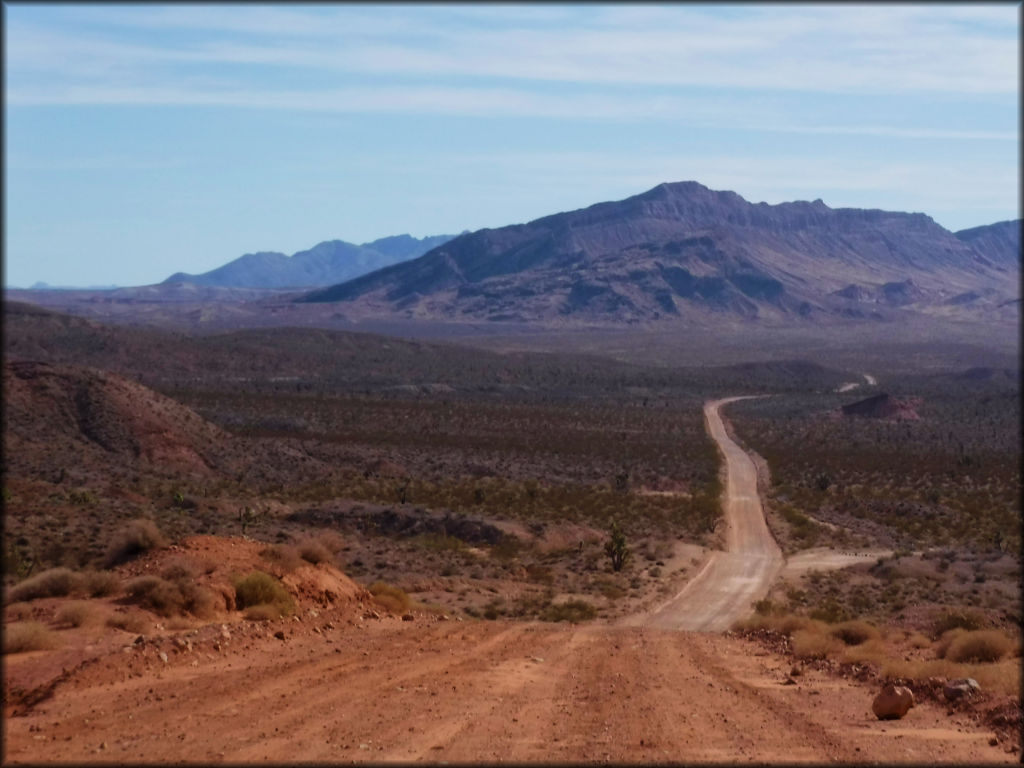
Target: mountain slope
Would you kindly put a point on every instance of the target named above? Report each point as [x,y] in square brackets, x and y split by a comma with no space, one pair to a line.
[326,263]
[680,250]
[999,242]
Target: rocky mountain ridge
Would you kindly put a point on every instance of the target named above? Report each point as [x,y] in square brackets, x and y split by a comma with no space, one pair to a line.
[681,250]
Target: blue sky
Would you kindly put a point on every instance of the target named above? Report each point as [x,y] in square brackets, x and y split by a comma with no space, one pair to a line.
[147,139]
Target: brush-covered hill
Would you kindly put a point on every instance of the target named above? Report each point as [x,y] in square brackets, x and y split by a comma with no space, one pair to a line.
[683,250]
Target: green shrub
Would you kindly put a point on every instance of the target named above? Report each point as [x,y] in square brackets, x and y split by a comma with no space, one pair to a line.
[137,537]
[854,632]
[56,582]
[22,636]
[983,645]
[260,588]
[390,597]
[572,610]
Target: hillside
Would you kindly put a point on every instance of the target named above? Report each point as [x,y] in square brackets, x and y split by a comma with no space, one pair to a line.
[683,250]
[328,262]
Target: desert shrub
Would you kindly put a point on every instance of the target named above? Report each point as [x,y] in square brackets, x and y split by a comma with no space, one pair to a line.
[197,600]
[262,612]
[1002,677]
[131,621]
[159,595]
[957,619]
[100,583]
[56,582]
[831,611]
[917,640]
[312,551]
[332,541]
[571,610]
[922,670]
[136,537]
[390,597]
[854,632]
[946,640]
[983,645]
[259,588]
[872,650]
[812,644]
[76,613]
[610,589]
[17,612]
[22,636]
[180,568]
[284,556]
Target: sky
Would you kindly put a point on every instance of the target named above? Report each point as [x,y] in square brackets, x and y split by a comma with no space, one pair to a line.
[143,140]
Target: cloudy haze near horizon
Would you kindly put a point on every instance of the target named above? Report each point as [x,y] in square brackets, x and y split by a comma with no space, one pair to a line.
[145,140]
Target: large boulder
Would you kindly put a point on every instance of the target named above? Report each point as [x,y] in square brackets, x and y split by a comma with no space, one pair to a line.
[964,686]
[893,702]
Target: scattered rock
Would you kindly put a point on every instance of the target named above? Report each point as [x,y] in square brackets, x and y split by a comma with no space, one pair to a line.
[796,671]
[789,681]
[163,657]
[408,617]
[371,615]
[279,634]
[893,702]
[963,686]
[994,741]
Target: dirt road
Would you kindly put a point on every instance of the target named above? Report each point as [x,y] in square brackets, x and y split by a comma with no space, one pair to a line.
[479,691]
[723,590]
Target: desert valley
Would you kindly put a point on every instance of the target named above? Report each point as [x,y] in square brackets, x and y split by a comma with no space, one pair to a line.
[676,478]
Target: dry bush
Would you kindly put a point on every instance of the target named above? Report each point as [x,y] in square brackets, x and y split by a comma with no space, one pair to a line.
[873,651]
[132,621]
[854,632]
[1002,677]
[312,551]
[259,588]
[332,541]
[922,670]
[136,537]
[22,636]
[284,556]
[946,640]
[957,619]
[100,583]
[159,595]
[198,600]
[982,645]
[178,568]
[76,614]
[786,624]
[56,582]
[811,644]
[917,640]
[390,597]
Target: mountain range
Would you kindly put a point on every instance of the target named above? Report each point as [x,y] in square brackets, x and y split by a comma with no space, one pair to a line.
[329,262]
[682,250]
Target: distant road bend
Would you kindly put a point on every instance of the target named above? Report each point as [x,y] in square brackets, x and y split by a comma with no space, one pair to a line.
[723,590]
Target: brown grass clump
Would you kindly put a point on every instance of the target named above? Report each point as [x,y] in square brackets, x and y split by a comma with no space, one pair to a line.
[262,612]
[854,632]
[946,640]
[922,670]
[76,614]
[159,595]
[17,612]
[180,568]
[785,624]
[573,611]
[983,645]
[262,589]
[812,644]
[284,556]
[333,541]
[872,651]
[56,582]
[312,551]
[22,636]
[100,583]
[390,597]
[917,640]
[133,621]
[136,537]
[1002,677]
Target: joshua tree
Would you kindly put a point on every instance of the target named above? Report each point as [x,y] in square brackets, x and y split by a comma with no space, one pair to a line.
[616,548]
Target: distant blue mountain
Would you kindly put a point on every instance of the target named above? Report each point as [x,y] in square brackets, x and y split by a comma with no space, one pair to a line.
[328,263]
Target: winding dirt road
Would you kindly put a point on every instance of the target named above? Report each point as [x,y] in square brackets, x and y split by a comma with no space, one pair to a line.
[723,590]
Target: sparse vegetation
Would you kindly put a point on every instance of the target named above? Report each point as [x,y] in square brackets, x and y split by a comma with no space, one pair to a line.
[23,636]
[982,645]
[136,537]
[76,614]
[393,598]
[55,582]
